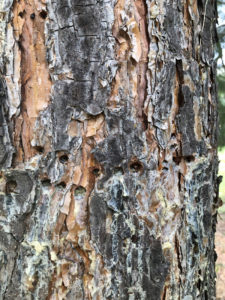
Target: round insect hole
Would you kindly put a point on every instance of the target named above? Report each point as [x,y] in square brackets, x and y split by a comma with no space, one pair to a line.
[79,192]
[63,158]
[61,185]
[134,239]
[96,171]
[177,159]
[32,16]
[21,14]
[11,186]
[136,166]
[190,158]
[46,182]
[39,149]
[43,14]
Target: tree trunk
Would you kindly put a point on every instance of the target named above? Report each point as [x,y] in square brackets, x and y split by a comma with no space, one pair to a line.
[108,155]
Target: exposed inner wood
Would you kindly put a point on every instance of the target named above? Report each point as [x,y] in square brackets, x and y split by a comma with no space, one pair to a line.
[28,24]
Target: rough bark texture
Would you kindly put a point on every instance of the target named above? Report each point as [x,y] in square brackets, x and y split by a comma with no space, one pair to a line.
[108,128]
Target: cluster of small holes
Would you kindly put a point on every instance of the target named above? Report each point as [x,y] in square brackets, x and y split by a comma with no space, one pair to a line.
[43,14]
[165,165]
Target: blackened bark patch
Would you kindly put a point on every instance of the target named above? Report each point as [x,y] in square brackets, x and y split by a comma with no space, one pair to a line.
[172,26]
[186,123]
[159,267]
[5,143]
[8,250]
[110,151]
[180,73]
[116,201]
[22,183]
[142,261]
[208,35]
[98,211]
[204,195]
[163,101]
[18,202]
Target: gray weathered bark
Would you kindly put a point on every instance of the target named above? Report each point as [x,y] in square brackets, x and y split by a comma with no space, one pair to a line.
[108,149]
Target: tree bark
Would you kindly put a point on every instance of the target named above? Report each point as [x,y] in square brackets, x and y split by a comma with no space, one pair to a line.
[108,137]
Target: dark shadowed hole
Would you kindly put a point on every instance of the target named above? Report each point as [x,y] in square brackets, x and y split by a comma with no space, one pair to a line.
[63,158]
[173,136]
[136,166]
[79,192]
[11,186]
[177,159]
[46,182]
[190,158]
[21,14]
[39,149]
[43,14]
[134,239]
[96,171]
[61,185]
[32,16]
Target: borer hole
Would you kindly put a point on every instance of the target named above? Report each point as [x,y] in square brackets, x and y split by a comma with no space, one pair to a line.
[134,239]
[32,16]
[46,182]
[190,158]
[136,166]
[63,158]
[79,192]
[96,171]
[177,159]
[61,185]
[21,14]
[11,186]
[39,149]
[43,14]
